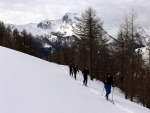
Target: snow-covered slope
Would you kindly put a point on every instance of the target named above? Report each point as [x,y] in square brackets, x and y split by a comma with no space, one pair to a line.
[32,85]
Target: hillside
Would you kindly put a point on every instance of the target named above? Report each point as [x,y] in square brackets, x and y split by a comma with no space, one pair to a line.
[32,85]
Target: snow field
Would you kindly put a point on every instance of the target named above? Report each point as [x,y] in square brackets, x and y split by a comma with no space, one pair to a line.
[32,85]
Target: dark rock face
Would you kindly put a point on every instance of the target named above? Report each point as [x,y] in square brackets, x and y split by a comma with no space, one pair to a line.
[44,25]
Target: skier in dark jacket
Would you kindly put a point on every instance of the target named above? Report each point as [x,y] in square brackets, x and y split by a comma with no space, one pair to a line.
[71,69]
[85,73]
[108,82]
[75,69]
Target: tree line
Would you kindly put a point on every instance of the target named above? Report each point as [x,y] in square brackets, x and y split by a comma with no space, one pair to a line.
[93,50]
[121,58]
[20,41]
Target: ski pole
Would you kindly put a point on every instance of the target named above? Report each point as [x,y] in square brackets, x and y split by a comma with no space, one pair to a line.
[79,76]
[112,94]
[102,92]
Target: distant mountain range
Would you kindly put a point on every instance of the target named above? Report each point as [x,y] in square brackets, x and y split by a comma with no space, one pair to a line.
[52,29]
[48,32]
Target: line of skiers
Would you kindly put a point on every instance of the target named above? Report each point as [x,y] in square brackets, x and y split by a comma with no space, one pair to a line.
[73,69]
[108,80]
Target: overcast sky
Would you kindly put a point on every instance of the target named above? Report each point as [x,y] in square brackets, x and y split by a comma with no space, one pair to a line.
[111,12]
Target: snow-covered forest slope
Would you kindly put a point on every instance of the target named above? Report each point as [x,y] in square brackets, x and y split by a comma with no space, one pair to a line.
[32,85]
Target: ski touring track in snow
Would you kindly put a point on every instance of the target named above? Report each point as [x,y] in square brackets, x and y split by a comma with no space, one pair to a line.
[117,105]
[127,110]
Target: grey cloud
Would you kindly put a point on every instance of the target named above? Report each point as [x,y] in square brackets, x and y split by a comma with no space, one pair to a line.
[110,11]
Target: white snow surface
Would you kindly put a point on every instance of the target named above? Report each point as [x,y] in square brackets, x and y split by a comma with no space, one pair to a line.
[31,85]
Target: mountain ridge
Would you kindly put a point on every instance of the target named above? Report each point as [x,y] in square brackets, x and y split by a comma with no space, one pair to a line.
[63,25]
[62,29]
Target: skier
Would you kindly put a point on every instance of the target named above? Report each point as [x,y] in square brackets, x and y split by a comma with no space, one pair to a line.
[75,69]
[85,73]
[108,81]
[71,69]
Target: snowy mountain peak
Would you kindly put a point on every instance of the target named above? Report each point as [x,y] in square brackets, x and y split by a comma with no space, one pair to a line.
[144,37]
[142,31]
[70,17]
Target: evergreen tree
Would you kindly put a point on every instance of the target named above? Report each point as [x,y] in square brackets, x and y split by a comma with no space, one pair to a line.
[2,32]
[126,46]
[17,43]
[89,30]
